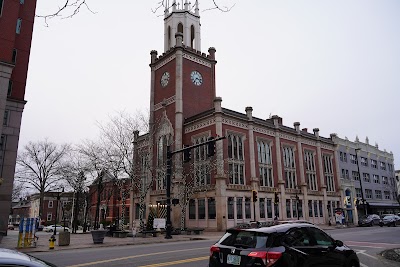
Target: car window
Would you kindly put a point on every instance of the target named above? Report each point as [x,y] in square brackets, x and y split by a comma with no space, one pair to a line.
[245,239]
[319,237]
[297,237]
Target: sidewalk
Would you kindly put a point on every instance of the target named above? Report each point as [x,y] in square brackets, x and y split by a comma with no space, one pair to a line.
[84,240]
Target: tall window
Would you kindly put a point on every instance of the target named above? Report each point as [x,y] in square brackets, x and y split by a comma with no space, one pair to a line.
[18,27]
[374,164]
[376,179]
[144,167]
[387,194]
[368,193]
[353,159]
[383,166]
[364,161]
[230,208]
[201,163]
[14,56]
[239,208]
[2,142]
[343,156]
[265,163]
[1,7]
[289,167]
[310,170]
[211,208]
[269,208]
[262,208]
[201,203]
[358,192]
[192,209]
[6,117]
[366,177]
[310,213]
[384,180]
[50,204]
[378,194]
[328,173]
[163,142]
[10,86]
[355,175]
[247,207]
[236,159]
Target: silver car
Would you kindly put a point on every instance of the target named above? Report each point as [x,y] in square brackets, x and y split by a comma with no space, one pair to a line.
[10,257]
[390,220]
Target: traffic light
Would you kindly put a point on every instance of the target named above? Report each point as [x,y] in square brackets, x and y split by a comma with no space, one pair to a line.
[254,195]
[187,155]
[211,147]
[276,198]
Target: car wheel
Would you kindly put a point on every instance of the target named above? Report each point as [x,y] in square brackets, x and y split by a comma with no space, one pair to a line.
[371,223]
[394,224]
[381,224]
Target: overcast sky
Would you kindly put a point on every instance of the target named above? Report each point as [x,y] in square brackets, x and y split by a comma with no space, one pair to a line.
[332,65]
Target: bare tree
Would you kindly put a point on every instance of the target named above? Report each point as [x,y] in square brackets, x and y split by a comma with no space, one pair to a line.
[18,191]
[39,166]
[70,8]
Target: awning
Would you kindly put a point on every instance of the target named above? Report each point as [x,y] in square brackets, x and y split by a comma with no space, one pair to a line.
[383,204]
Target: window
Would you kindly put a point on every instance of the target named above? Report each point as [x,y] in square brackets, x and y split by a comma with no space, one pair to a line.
[315,208]
[328,173]
[202,165]
[310,170]
[1,7]
[374,164]
[6,117]
[239,208]
[343,156]
[320,237]
[2,142]
[162,146]
[288,213]
[269,207]
[21,2]
[192,209]
[383,165]
[366,177]
[247,207]
[358,192]
[137,211]
[10,85]
[356,176]
[49,216]
[376,179]
[289,167]
[368,193]
[144,170]
[18,27]
[387,194]
[378,194]
[310,213]
[201,205]
[390,166]
[211,208]
[230,208]
[364,161]
[262,208]
[353,159]
[297,237]
[321,214]
[384,180]
[265,164]
[236,159]
[50,204]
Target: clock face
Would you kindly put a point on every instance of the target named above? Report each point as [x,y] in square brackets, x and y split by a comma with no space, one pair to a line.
[164,79]
[196,78]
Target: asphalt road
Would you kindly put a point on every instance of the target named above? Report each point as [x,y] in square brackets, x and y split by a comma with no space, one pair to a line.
[367,242]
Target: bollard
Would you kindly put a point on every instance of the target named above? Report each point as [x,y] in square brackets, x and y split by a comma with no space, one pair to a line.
[52,242]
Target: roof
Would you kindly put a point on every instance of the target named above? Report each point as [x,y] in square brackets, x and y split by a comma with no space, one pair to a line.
[282,226]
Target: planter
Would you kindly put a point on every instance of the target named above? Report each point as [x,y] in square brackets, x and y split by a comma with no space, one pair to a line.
[64,238]
[120,234]
[98,236]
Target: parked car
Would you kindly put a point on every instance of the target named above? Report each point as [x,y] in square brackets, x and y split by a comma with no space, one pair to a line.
[40,227]
[390,220]
[50,228]
[369,220]
[10,227]
[10,257]
[289,244]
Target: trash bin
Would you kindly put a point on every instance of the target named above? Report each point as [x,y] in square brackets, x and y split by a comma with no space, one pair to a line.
[64,238]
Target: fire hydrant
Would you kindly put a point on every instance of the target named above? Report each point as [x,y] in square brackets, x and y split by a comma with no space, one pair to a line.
[52,242]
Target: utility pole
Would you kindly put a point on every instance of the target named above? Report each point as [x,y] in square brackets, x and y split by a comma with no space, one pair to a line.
[211,150]
[361,188]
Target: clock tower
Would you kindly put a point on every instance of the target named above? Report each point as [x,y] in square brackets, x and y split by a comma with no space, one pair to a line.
[182,78]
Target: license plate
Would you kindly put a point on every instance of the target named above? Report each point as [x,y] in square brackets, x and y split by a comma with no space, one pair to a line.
[233,259]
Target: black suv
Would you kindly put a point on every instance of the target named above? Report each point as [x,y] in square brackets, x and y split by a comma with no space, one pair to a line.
[289,245]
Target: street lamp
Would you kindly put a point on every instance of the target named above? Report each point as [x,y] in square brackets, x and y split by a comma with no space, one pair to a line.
[361,188]
[297,206]
[55,222]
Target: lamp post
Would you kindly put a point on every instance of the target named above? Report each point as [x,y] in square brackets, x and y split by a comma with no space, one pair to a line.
[55,222]
[361,188]
[297,206]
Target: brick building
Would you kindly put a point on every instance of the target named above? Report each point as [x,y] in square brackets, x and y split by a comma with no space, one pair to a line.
[16,26]
[260,154]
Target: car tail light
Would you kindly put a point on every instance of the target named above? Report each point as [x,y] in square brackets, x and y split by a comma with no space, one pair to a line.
[269,258]
[213,249]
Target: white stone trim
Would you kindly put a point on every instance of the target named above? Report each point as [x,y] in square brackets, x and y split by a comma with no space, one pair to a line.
[196,60]
[168,101]
[235,123]
[164,62]
[199,125]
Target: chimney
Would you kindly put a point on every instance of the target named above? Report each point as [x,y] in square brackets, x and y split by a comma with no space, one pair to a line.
[249,113]
[211,52]
[153,54]
[304,130]
[217,104]
[316,132]
[277,120]
[297,126]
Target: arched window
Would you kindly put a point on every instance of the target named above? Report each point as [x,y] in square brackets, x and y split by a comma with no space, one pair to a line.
[192,37]
[180,27]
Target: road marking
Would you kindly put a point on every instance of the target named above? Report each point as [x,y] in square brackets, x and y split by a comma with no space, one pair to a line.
[378,245]
[132,257]
[366,254]
[363,265]
[176,262]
